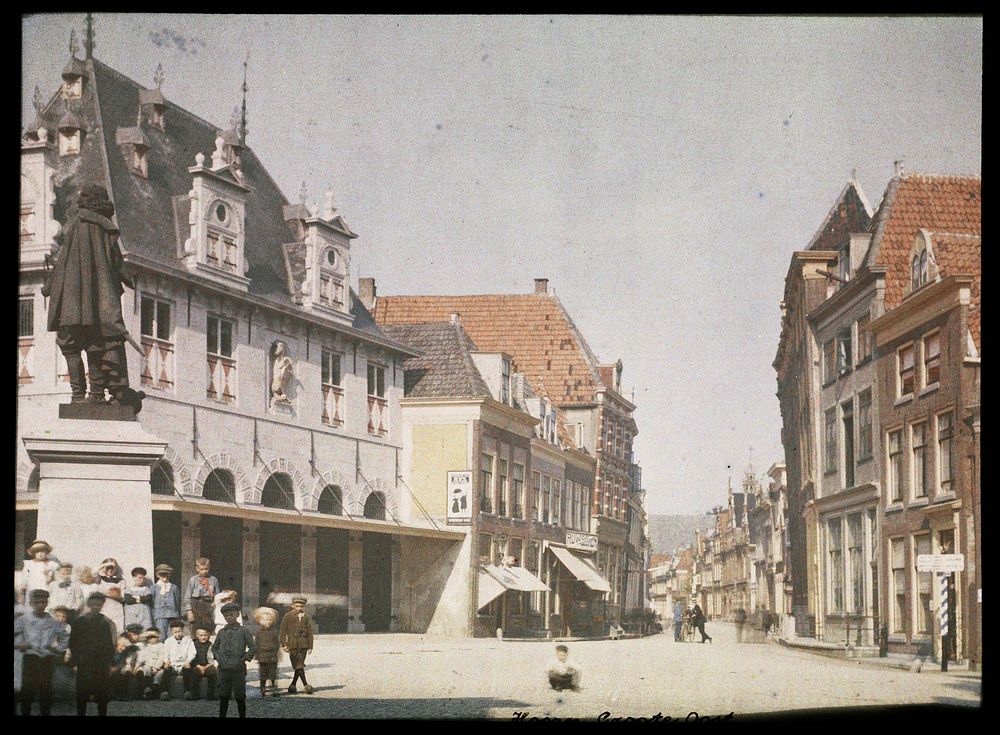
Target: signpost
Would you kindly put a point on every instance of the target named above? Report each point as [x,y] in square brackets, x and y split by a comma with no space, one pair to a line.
[945,565]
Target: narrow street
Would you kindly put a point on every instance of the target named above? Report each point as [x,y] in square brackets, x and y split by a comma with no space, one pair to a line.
[462,678]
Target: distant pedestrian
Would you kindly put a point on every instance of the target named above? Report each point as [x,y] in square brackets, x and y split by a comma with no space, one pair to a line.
[42,640]
[233,648]
[296,635]
[563,673]
[92,643]
[199,596]
[166,600]
[678,621]
[766,620]
[741,619]
[699,620]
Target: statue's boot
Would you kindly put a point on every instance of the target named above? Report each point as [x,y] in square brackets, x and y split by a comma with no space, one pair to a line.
[77,376]
[98,381]
[115,369]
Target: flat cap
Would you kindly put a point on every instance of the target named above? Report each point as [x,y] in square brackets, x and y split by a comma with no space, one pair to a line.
[300,598]
[164,568]
[230,607]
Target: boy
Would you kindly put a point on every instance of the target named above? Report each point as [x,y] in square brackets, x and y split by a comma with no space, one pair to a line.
[296,636]
[267,649]
[41,639]
[63,591]
[179,651]
[232,649]
[151,664]
[166,599]
[61,615]
[203,665]
[92,642]
[563,673]
[122,666]
[201,591]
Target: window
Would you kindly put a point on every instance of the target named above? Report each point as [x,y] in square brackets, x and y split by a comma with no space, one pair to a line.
[919,442]
[944,437]
[904,359]
[536,495]
[932,359]
[844,265]
[895,465]
[517,489]
[831,440]
[221,365]
[556,502]
[486,483]
[922,545]
[331,501]
[219,485]
[856,553]
[515,550]
[918,270]
[156,370]
[376,381]
[378,407]
[847,410]
[26,316]
[162,479]
[485,548]
[375,506]
[139,161]
[278,492]
[865,424]
[897,557]
[505,381]
[333,392]
[864,339]
[829,362]
[546,497]
[844,351]
[502,487]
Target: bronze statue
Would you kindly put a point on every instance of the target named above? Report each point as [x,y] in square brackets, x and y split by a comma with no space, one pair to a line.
[85,289]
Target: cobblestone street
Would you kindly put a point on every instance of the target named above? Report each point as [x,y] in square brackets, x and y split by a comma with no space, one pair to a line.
[411,676]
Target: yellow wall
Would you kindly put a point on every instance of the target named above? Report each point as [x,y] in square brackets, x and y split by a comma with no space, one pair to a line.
[437,449]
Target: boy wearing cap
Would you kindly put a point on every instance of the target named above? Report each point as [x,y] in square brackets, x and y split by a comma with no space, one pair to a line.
[121,667]
[199,595]
[179,650]
[296,635]
[64,592]
[39,570]
[92,643]
[41,639]
[233,648]
[166,599]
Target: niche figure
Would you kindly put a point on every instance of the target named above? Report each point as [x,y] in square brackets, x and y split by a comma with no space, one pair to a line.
[281,373]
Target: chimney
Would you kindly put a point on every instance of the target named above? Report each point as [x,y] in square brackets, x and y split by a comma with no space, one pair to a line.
[899,167]
[541,285]
[455,317]
[366,292]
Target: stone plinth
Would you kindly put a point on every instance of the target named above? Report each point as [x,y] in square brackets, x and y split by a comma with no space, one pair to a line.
[94,490]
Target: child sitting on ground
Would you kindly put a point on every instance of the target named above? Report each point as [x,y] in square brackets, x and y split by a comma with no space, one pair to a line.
[151,663]
[563,673]
[203,664]
[267,649]
[122,667]
[179,650]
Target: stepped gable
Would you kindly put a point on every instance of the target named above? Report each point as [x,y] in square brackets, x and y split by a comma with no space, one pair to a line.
[534,329]
[939,203]
[446,368]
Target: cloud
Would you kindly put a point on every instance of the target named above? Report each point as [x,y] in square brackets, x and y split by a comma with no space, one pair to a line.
[168,38]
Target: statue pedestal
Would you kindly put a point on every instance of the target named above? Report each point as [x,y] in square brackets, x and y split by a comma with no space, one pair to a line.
[94,490]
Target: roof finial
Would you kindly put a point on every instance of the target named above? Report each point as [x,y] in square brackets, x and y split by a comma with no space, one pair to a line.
[854,174]
[303,193]
[243,116]
[88,41]
[158,76]
[898,164]
[74,47]
[37,100]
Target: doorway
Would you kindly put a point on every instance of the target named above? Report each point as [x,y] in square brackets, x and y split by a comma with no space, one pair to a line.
[280,559]
[222,543]
[331,578]
[376,581]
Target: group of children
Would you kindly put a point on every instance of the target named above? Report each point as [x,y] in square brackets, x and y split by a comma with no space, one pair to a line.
[153,647]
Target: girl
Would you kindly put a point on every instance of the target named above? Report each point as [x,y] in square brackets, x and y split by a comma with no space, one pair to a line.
[221,599]
[137,597]
[39,570]
[110,582]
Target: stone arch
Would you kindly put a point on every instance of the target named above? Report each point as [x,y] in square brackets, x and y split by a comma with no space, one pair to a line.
[376,485]
[333,477]
[182,475]
[273,467]
[223,461]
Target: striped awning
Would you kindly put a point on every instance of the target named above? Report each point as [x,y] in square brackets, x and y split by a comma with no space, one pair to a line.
[582,568]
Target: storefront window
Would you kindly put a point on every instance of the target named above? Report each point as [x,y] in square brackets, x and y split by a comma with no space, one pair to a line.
[922,545]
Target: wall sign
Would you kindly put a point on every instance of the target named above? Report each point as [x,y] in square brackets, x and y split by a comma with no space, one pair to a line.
[582,541]
[460,497]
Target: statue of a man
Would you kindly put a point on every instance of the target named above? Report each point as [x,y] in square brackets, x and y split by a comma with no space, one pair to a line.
[85,289]
[281,375]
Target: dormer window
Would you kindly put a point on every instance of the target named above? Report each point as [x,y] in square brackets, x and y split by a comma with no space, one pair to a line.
[331,284]
[844,265]
[139,161]
[70,142]
[918,270]
[505,381]
[73,76]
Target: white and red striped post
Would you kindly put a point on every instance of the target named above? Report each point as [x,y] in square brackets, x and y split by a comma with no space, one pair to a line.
[943,613]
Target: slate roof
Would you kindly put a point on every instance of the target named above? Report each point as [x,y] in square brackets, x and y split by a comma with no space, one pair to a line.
[534,329]
[938,203]
[446,368]
[963,255]
[152,213]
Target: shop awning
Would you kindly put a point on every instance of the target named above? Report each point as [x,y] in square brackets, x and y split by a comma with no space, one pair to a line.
[582,568]
[494,581]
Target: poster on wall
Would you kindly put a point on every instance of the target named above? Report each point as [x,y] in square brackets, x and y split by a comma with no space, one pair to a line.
[460,497]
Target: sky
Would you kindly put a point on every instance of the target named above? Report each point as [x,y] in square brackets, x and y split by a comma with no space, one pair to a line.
[659,171]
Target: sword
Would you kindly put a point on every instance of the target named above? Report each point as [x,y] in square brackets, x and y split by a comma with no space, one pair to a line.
[136,345]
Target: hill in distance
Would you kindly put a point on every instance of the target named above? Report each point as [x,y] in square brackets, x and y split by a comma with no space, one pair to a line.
[673,532]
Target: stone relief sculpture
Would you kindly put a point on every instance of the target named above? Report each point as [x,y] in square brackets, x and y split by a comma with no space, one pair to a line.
[281,373]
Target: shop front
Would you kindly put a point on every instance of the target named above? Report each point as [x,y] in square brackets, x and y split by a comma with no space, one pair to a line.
[502,599]
[581,589]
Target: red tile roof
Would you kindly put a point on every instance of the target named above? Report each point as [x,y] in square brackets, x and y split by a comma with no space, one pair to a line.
[534,329]
[950,204]
[962,255]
